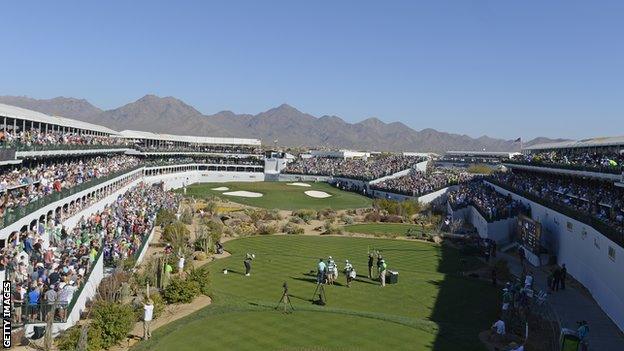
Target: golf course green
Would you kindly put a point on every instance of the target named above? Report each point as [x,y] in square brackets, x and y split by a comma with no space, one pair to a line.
[383,229]
[433,306]
[282,196]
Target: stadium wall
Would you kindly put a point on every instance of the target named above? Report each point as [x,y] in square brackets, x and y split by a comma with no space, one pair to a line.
[499,231]
[439,195]
[590,257]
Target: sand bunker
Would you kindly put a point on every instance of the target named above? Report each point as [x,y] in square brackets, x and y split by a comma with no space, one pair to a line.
[221,188]
[317,194]
[300,184]
[243,194]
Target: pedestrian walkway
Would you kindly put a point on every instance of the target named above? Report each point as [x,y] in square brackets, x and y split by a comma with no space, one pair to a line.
[572,305]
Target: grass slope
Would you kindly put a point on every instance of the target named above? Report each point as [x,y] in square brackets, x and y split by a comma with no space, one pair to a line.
[383,229]
[283,196]
[432,307]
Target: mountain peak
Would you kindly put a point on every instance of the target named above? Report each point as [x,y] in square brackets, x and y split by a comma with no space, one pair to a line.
[372,122]
[293,127]
[284,108]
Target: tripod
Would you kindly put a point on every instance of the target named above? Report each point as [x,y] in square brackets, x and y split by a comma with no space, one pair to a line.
[285,300]
[320,289]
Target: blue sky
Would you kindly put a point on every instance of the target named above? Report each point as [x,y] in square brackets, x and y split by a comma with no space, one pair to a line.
[501,68]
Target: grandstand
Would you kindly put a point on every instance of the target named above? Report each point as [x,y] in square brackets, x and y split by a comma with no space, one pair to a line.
[601,158]
[61,179]
[472,157]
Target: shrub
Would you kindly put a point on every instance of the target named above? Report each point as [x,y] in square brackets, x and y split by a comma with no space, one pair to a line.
[291,228]
[326,213]
[346,219]
[164,217]
[200,256]
[391,219]
[405,208]
[201,276]
[297,220]
[177,234]
[181,291]
[266,229]
[305,215]
[187,216]
[68,340]
[372,217]
[273,215]
[114,320]
[331,228]
[111,285]
[245,229]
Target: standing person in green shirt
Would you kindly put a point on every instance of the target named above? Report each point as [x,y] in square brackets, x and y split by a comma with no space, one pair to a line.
[382,266]
[168,270]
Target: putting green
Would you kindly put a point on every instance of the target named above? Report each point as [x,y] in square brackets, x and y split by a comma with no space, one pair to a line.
[283,196]
[431,308]
[384,229]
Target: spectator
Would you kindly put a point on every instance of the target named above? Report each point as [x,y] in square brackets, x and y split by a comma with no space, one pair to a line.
[361,169]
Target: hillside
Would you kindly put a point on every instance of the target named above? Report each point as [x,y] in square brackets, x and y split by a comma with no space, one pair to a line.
[286,124]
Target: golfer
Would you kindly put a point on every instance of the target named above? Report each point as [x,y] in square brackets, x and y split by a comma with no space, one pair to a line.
[370,265]
[349,272]
[247,264]
[332,270]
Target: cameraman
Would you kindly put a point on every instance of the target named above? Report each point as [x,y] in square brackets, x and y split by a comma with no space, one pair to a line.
[321,271]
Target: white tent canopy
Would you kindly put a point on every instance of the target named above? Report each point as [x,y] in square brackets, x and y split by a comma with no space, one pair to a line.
[34,116]
[134,134]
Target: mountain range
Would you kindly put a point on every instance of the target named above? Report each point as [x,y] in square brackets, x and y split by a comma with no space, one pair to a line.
[283,124]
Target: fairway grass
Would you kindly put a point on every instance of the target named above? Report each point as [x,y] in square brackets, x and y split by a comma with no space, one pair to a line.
[383,229]
[282,196]
[432,307]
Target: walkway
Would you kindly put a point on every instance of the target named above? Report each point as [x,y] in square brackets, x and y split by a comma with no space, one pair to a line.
[574,304]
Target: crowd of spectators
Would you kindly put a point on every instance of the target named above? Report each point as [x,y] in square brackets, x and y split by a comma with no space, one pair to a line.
[204,160]
[354,168]
[611,160]
[35,137]
[418,183]
[600,199]
[49,263]
[23,185]
[491,204]
[218,149]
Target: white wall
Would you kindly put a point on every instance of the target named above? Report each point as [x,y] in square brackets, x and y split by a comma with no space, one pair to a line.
[145,247]
[439,195]
[585,252]
[499,231]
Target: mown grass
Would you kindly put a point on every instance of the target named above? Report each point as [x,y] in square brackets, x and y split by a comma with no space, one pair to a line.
[384,229]
[280,195]
[432,308]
